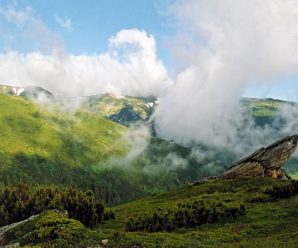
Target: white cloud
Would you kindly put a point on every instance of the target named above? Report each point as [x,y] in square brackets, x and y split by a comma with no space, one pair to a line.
[64,22]
[130,67]
[224,47]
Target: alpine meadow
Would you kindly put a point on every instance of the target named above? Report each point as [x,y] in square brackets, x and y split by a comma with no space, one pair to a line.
[148,123]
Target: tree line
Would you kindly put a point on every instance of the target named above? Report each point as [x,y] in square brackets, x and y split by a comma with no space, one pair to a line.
[19,202]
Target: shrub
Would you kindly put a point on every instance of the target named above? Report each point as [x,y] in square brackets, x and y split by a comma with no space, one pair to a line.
[283,191]
[19,202]
[51,227]
[186,215]
[109,215]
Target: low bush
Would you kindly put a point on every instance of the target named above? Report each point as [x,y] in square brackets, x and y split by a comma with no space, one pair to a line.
[283,191]
[186,215]
[51,228]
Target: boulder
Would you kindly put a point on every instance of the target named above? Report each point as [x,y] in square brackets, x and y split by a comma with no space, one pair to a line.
[266,161]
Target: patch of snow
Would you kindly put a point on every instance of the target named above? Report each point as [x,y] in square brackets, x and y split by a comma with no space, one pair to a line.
[17,90]
[149,104]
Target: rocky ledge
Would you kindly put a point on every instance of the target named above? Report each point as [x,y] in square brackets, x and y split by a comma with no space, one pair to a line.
[266,161]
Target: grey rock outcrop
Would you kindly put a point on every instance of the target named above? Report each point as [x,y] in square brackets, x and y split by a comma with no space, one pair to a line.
[4,229]
[266,161]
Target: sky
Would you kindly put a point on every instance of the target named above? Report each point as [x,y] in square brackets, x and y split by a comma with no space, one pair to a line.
[86,25]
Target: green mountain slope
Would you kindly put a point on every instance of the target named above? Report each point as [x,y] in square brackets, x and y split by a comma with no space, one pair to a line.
[44,133]
[30,134]
[85,150]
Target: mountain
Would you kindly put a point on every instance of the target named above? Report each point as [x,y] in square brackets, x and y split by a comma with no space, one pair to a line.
[29,92]
[34,134]
[87,148]
[127,110]
[45,146]
[122,109]
[264,111]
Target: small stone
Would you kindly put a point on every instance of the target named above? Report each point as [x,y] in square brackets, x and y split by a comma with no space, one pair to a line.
[105,241]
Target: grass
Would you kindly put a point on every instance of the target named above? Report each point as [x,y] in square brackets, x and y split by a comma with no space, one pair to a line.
[268,222]
[56,137]
[27,128]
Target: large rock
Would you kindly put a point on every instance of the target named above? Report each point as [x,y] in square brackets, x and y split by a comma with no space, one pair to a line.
[265,162]
[4,229]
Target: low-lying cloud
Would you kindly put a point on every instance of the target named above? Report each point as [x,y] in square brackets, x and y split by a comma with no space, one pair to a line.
[223,47]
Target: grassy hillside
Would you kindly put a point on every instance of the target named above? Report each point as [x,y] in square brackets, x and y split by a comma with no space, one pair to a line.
[268,218]
[27,128]
[52,147]
[38,138]
[268,222]
[82,149]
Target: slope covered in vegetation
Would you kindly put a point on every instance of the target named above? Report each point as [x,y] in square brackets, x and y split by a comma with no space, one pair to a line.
[87,150]
[247,212]
[122,109]
[39,145]
[81,149]
[269,218]
[20,202]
